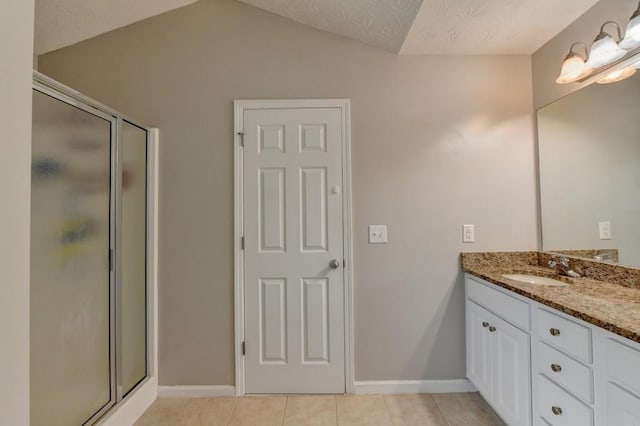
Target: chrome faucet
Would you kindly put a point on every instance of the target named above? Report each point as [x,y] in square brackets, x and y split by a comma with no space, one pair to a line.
[562,266]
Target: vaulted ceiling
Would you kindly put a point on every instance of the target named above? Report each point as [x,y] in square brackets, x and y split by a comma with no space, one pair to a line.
[413,27]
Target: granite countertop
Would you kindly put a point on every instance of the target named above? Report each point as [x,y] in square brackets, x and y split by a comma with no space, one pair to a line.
[609,305]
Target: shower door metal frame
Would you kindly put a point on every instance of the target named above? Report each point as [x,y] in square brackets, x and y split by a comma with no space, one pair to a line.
[56,90]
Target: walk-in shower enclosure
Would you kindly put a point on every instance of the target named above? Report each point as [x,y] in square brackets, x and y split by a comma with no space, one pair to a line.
[89,203]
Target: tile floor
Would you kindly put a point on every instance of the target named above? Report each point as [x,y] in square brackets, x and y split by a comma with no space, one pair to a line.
[454,409]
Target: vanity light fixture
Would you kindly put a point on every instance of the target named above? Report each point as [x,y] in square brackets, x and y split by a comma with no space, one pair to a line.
[618,75]
[631,38]
[605,49]
[573,66]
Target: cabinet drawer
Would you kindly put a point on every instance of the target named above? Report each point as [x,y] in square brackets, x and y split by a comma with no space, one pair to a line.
[623,408]
[569,373]
[559,407]
[506,307]
[565,334]
[623,365]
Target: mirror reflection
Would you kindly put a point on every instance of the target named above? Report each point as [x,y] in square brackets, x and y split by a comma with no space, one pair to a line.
[589,171]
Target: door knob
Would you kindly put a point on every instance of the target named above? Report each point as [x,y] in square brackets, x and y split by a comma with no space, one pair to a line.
[334,264]
[554,331]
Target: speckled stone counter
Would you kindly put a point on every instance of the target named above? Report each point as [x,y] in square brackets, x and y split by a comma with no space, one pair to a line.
[607,296]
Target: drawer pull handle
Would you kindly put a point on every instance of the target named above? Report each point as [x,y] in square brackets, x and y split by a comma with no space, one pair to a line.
[554,331]
[556,410]
[556,368]
[492,329]
[485,324]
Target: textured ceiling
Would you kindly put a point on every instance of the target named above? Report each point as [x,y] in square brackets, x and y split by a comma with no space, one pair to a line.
[60,23]
[463,27]
[454,27]
[379,23]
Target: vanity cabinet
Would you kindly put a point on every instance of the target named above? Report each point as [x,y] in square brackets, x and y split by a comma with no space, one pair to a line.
[536,365]
[498,363]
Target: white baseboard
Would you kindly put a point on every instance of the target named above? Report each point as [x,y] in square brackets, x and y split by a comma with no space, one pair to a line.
[195,391]
[414,386]
[133,406]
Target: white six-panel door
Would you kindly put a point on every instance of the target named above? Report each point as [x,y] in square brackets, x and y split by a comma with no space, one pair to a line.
[293,230]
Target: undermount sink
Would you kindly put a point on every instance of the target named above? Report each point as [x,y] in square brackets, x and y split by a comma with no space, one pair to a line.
[534,279]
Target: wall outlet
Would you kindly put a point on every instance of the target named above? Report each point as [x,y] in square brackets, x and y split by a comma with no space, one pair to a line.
[605,230]
[468,233]
[377,234]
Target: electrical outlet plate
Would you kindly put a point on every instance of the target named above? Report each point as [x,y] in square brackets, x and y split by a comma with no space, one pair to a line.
[377,234]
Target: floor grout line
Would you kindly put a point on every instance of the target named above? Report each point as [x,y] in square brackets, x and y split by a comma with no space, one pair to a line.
[444,416]
[284,412]
[235,404]
[386,406]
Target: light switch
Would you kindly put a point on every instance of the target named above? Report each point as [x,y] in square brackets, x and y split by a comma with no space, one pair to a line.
[377,234]
[605,230]
[468,233]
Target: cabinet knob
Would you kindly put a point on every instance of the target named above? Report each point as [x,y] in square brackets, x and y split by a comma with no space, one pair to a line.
[492,329]
[556,410]
[485,324]
[556,368]
[554,331]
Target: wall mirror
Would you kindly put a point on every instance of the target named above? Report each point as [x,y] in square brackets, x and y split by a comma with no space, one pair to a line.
[589,173]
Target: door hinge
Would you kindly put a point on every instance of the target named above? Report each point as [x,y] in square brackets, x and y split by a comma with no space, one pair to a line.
[244,349]
[344,263]
[110,260]
[241,135]
[242,243]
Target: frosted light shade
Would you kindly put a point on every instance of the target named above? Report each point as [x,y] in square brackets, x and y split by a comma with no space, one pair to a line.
[604,51]
[573,69]
[631,38]
[618,75]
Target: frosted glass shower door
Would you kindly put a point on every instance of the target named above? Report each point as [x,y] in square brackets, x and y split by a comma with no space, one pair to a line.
[72,366]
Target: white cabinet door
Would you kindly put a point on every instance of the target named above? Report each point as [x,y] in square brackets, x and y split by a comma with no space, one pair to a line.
[479,348]
[623,408]
[511,372]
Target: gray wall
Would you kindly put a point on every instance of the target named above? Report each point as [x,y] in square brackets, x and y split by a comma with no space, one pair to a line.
[16,45]
[548,59]
[437,142]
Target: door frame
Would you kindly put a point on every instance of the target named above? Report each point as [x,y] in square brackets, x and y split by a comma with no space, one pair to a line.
[240,106]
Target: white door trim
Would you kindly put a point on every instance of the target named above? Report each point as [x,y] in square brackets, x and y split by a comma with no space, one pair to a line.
[239,107]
